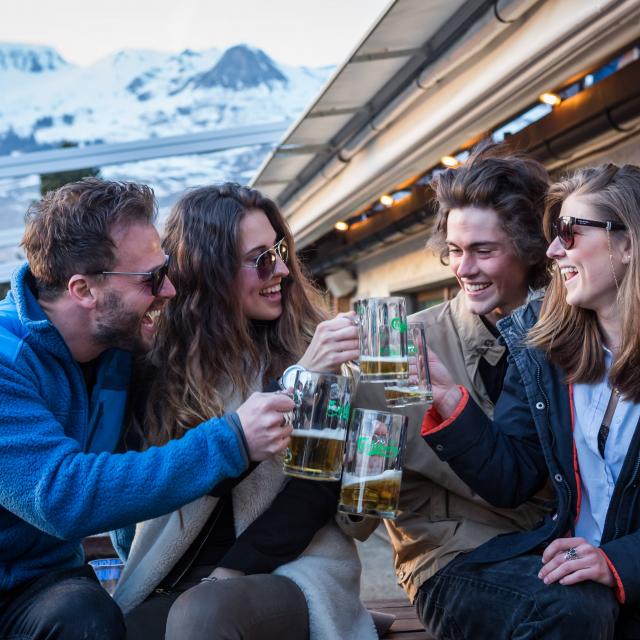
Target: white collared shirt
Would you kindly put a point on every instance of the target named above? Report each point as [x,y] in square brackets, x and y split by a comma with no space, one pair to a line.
[599,475]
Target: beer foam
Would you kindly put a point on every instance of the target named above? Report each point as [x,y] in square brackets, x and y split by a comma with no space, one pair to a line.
[325,434]
[394,475]
[393,359]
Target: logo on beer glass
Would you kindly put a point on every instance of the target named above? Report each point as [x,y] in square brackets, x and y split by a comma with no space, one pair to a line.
[371,447]
[335,410]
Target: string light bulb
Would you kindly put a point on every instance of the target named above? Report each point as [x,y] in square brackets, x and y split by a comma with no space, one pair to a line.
[450,161]
[552,99]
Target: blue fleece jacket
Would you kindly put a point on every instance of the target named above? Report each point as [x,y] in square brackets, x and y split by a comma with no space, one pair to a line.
[59,478]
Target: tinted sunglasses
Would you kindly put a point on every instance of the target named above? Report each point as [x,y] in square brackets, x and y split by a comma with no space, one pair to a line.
[153,279]
[562,228]
[265,263]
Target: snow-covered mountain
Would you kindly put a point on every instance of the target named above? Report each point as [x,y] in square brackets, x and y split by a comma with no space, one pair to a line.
[136,94]
[31,59]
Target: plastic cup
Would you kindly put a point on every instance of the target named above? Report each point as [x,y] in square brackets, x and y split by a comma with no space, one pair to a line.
[108,572]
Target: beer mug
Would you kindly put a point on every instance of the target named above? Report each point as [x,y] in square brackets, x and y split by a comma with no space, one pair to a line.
[416,389]
[373,464]
[320,420]
[383,339]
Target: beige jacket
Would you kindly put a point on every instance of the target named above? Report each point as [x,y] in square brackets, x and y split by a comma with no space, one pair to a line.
[440,516]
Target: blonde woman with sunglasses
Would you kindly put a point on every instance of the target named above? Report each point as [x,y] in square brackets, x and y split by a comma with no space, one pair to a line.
[259,558]
[569,411]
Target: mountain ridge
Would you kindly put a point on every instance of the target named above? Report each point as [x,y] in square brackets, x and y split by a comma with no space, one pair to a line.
[35,58]
[137,94]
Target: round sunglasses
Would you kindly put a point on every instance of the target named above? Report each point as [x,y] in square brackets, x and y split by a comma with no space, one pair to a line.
[265,263]
[153,279]
[562,228]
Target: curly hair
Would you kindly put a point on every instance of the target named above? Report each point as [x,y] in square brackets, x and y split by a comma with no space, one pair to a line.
[206,345]
[512,185]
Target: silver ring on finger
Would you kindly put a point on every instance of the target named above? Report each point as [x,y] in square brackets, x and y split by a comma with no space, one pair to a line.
[287,419]
[571,554]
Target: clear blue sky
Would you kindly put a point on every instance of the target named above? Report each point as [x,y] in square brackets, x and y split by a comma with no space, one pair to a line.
[311,32]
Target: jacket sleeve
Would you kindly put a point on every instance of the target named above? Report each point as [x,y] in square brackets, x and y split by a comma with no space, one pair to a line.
[48,481]
[623,557]
[285,529]
[502,460]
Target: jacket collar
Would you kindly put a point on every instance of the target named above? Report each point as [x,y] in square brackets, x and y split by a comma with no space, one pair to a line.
[477,341]
[515,327]
[31,315]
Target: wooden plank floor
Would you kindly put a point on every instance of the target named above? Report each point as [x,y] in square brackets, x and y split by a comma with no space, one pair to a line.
[406,625]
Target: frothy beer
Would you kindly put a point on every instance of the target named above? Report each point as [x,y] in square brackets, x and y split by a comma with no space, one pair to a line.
[316,452]
[402,396]
[384,367]
[371,495]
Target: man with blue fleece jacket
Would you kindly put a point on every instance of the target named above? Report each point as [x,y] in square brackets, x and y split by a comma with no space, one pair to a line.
[90,294]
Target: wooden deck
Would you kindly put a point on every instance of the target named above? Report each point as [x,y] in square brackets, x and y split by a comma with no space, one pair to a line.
[406,626]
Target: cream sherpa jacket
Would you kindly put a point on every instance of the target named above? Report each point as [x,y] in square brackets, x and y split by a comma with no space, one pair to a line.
[327,572]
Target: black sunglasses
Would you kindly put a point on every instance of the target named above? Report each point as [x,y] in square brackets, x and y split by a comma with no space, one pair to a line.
[562,228]
[153,279]
[265,263]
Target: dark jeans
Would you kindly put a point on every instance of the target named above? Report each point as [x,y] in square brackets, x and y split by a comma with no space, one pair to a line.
[257,607]
[65,605]
[506,600]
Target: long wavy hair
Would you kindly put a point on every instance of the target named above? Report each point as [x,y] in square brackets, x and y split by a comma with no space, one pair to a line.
[569,335]
[206,346]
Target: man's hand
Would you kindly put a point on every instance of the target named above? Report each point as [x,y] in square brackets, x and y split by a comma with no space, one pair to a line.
[265,425]
[446,395]
[572,560]
[334,342]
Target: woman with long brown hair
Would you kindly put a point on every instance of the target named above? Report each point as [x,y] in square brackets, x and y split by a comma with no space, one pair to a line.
[261,558]
[570,412]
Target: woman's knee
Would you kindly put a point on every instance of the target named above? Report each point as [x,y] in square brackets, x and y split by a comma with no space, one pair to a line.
[207,604]
[584,610]
[82,609]
[251,606]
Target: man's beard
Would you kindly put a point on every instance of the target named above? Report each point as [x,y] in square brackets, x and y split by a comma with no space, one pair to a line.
[116,327]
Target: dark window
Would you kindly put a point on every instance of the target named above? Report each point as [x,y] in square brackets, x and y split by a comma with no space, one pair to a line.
[419,300]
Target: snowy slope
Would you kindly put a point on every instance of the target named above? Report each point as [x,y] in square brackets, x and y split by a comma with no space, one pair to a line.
[136,94]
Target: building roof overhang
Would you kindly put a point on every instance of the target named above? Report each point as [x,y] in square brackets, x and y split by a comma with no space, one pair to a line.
[488,67]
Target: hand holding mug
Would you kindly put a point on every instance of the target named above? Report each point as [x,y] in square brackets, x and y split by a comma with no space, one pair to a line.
[446,395]
[264,421]
[334,342]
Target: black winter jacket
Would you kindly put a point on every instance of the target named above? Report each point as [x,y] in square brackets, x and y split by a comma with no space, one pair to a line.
[530,439]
